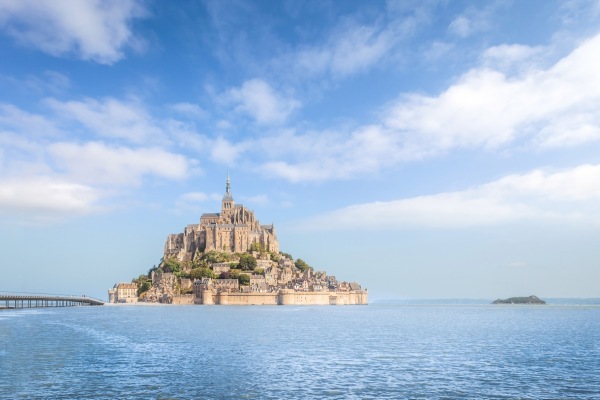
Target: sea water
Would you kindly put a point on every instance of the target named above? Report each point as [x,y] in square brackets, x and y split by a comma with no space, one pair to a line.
[288,352]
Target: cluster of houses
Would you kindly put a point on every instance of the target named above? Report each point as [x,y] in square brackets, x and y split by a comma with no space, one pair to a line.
[284,275]
[234,230]
[271,278]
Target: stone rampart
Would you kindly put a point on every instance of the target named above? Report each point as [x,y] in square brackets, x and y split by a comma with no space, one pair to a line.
[283,297]
[246,299]
[183,299]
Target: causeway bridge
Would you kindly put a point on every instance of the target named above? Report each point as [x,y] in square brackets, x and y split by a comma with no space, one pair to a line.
[32,300]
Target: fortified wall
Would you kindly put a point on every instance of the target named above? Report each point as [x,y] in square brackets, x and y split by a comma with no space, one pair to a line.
[266,276]
[282,297]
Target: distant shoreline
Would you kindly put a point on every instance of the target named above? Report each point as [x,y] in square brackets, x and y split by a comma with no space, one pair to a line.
[549,301]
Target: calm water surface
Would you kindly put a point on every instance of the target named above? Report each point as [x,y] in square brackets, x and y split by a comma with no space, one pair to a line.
[356,352]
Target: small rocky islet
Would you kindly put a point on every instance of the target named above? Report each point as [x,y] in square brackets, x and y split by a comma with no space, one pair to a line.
[520,300]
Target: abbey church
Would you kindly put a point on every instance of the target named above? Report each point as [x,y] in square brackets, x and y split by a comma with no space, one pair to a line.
[233,230]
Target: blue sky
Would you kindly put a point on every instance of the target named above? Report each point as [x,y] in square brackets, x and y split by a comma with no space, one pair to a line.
[427,149]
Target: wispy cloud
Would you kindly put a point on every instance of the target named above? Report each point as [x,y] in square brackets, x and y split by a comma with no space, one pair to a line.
[89,30]
[98,163]
[192,201]
[189,110]
[16,120]
[258,100]
[320,156]
[45,199]
[41,84]
[486,108]
[260,199]
[49,173]
[110,117]
[473,20]
[352,48]
[355,44]
[570,195]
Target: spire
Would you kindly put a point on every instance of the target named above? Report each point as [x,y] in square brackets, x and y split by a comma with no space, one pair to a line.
[228,197]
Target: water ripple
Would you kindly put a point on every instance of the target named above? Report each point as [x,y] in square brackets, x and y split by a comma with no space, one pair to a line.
[373,352]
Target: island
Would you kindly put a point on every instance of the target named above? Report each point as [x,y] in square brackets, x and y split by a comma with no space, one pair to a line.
[520,300]
[229,258]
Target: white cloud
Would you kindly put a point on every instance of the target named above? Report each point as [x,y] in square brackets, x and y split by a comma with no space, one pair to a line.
[225,152]
[98,163]
[536,107]
[473,20]
[460,26]
[224,125]
[571,195]
[90,30]
[358,48]
[189,110]
[219,149]
[16,120]
[110,118]
[46,82]
[569,130]
[354,46]
[331,155]
[257,99]
[77,170]
[437,51]
[351,49]
[506,57]
[489,109]
[45,198]
[190,202]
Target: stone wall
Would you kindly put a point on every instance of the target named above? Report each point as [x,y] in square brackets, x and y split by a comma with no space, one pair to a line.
[246,299]
[283,297]
[183,299]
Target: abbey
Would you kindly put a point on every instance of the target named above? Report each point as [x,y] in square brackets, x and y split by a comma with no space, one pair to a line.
[229,258]
[234,230]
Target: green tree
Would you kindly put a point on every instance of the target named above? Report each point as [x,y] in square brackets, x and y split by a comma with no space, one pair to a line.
[216,257]
[151,270]
[144,287]
[255,246]
[302,265]
[247,262]
[287,255]
[202,272]
[171,265]
[199,263]
[144,283]
[244,279]
[183,274]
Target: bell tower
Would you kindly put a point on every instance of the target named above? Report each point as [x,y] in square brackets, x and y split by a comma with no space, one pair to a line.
[227,203]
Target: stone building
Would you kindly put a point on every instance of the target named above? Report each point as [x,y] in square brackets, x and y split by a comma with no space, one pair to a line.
[233,230]
[220,268]
[123,293]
